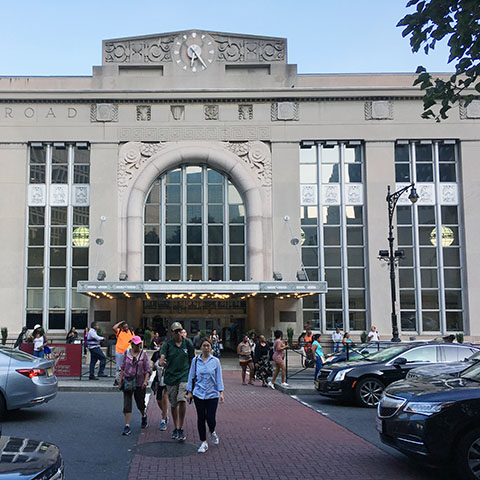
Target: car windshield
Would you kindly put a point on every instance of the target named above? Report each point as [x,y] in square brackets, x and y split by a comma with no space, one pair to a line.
[387,353]
[16,354]
[472,373]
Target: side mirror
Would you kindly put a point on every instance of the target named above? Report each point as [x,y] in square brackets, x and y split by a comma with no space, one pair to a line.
[400,361]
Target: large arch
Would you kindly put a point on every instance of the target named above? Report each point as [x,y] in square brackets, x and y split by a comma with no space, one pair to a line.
[192,153]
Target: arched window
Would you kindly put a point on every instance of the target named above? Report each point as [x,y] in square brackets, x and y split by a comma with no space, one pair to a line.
[194,227]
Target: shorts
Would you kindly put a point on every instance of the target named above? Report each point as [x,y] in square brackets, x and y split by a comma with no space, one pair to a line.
[160,391]
[177,393]
[139,395]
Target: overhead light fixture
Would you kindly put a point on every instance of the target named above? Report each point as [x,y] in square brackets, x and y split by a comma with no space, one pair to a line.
[101,275]
[123,276]
[302,276]
[277,276]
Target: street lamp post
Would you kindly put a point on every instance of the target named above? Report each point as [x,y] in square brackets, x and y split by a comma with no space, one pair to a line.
[391,256]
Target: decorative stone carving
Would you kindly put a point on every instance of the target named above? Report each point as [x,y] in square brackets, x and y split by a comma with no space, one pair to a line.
[245,112]
[284,111]
[211,112]
[448,194]
[426,192]
[234,49]
[37,195]
[308,195]
[379,110]
[141,51]
[354,194]
[222,133]
[178,112]
[144,113]
[59,195]
[472,110]
[81,195]
[104,112]
[330,194]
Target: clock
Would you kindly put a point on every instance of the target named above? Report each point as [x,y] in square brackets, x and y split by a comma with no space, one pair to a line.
[194,51]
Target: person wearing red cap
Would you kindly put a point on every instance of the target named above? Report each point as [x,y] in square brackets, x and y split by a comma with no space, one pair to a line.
[133,380]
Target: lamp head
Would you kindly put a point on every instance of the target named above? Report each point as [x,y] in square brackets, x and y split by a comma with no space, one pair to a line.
[413,197]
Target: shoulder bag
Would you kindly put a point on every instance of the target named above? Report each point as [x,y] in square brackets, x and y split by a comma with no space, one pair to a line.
[130,383]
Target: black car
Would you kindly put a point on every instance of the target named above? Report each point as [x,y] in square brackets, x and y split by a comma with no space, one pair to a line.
[437,420]
[363,381]
[358,351]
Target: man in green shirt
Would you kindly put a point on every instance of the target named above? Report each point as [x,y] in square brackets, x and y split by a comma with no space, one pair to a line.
[176,356]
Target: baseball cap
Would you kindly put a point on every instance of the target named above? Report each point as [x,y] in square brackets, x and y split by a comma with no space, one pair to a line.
[36,326]
[136,340]
[176,326]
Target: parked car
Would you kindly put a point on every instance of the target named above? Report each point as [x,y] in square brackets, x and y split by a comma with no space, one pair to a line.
[436,420]
[25,381]
[452,368]
[25,459]
[363,381]
[358,351]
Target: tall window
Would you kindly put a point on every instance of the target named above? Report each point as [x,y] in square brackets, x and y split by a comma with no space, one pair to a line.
[430,276]
[333,233]
[194,227]
[58,235]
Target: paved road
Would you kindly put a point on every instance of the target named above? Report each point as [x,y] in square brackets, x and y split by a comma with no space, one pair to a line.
[87,429]
[361,421]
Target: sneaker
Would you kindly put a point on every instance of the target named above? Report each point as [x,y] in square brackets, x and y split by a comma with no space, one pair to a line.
[284,384]
[214,438]
[203,447]
[144,422]
[174,435]
[126,431]
[115,383]
[271,385]
[92,377]
[181,437]
[163,425]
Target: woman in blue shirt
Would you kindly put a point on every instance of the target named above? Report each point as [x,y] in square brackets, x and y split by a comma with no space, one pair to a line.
[318,352]
[205,386]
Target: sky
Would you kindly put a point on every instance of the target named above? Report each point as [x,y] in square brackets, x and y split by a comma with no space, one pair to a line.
[64,37]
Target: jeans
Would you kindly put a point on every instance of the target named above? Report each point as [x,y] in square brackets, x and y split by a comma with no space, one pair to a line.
[96,354]
[39,353]
[206,412]
[336,347]
[118,363]
[318,366]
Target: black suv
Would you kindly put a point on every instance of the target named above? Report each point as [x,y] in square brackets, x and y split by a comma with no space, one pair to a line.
[364,380]
[437,420]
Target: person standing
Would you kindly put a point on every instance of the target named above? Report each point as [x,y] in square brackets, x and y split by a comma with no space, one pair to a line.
[158,386]
[176,355]
[124,334]
[373,335]
[39,341]
[318,353]
[197,342]
[72,335]
[96,354]
[22,336]
[205,385]
[279,347]
[337,340]
[216,342]
[133,379]
[263,366]
[244,351]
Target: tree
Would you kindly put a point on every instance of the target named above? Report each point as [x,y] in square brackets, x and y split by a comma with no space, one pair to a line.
[458,23]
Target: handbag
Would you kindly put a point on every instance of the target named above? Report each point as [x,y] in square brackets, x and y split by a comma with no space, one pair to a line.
[194,379]
[129,384]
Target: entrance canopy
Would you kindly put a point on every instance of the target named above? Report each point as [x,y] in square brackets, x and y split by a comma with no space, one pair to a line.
[201,290]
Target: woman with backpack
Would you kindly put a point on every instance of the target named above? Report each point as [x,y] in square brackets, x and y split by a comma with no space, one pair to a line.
[133,380]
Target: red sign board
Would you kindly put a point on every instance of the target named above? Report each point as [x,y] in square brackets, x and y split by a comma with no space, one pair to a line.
[67,358]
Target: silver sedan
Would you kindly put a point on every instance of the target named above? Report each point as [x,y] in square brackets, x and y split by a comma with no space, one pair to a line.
[25,381]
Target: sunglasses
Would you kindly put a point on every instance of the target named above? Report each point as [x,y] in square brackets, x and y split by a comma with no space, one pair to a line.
[178,331]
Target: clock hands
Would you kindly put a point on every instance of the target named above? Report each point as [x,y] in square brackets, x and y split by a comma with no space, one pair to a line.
[201,60]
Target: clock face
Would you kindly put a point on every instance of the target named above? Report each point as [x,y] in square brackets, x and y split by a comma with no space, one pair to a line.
[194,51]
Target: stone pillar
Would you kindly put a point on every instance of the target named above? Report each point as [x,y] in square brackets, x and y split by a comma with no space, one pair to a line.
[379,172]
[471,230]
[256,314]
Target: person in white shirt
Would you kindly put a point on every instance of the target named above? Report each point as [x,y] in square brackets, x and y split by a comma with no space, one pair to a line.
[373,335]
[337,340]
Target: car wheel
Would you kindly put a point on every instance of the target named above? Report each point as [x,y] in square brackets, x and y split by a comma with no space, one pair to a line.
[368,392]
[468,455]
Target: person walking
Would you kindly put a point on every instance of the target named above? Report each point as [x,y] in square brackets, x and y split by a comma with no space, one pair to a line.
[22,336]
[336,340]
[216,343]
[96,354]
[205,385]
[124,334]
[40,341]
[133,379]
[176,355]
[244,351]
[318,353]
[263,366]
[159,388]
[279,347]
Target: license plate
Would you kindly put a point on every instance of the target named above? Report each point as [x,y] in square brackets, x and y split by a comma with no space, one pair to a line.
[379,425]
[49,372]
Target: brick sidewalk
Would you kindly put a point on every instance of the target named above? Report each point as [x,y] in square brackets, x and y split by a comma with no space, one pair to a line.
[265,434]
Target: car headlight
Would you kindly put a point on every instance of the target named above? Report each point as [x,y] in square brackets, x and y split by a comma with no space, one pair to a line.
[426,408]
[340,376]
